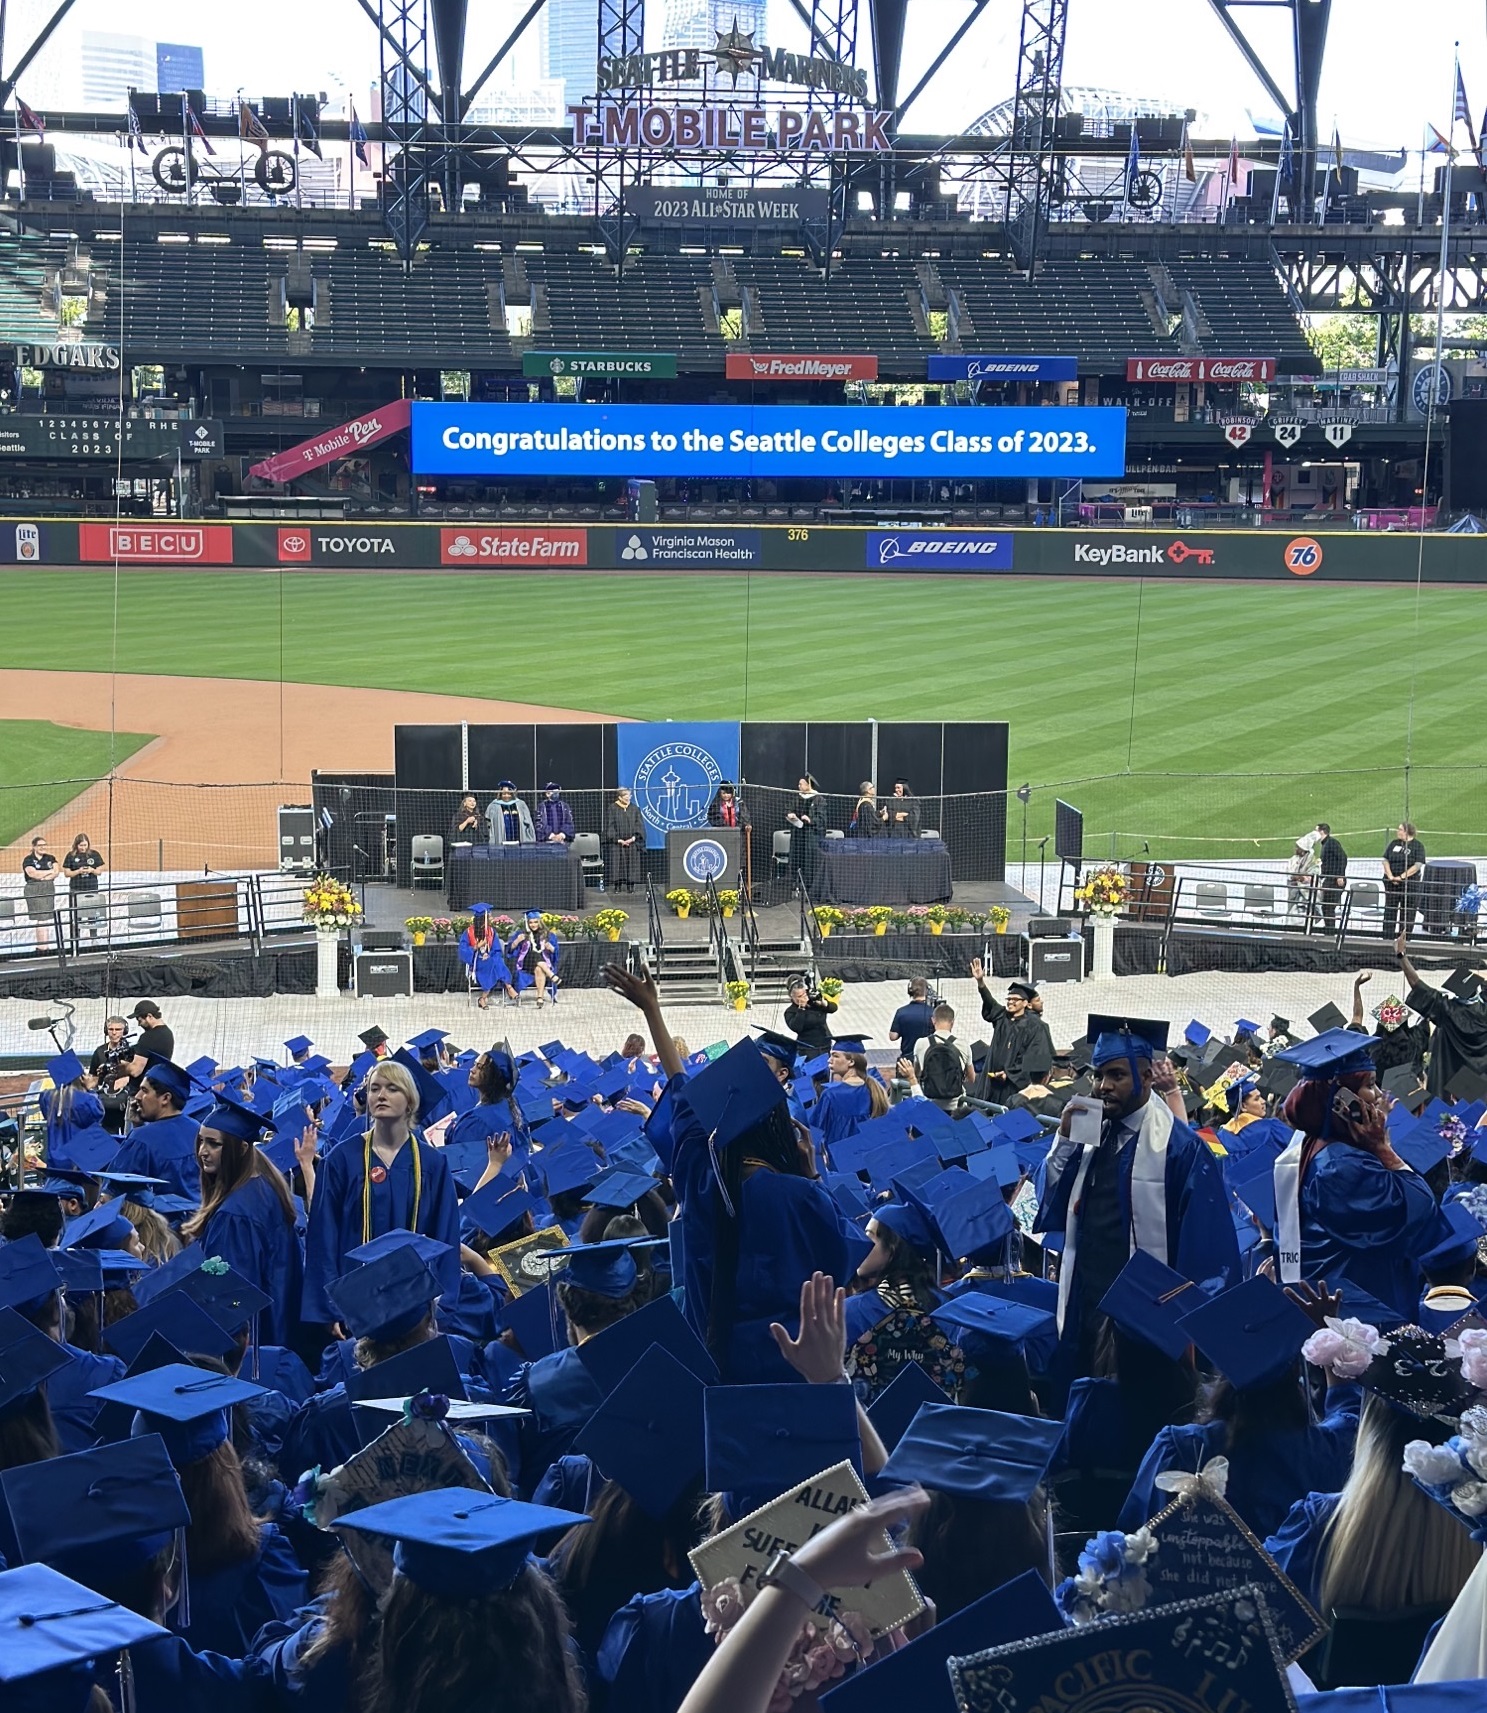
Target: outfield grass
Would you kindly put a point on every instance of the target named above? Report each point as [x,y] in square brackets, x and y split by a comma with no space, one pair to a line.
[40,765]
[1135,697]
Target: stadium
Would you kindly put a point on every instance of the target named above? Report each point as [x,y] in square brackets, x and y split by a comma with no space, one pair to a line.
[461,575]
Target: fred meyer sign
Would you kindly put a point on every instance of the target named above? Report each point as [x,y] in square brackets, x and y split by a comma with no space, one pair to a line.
[658,365]
[798,366]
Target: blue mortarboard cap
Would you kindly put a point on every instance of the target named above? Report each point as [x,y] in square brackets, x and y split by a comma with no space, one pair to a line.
[428,1249]
[1335,1053]
[169,1274]
[49,1623]
[496,1205]
[898,1403]
[297,1044]
[27,1272]
[894,1159]
[128,1183]
[186,1406]
[1148,1301]
[232,1116]
[1421,1146]
[65,1068]
[1196,1034]
[1016,1125]
[1252,1332]
[315,1063]
[231,1300]
[999,1165]
[386,1297]
[850,1043]
[785,1048]
[1124,1037]
[79,1270]
[203,1069]
[979,1454]
[176,1317]
[647,1435]
[99,1511]
[426,1367]
[1457,1233]
[27,1357]
[118,1266]
[908,1223]
[172,1078]
[1243,1026]
[817,1067]
[611,1354]
[733,1094]
[361,1065]
[1005,1323]
[102,1227]
[458,1543]
[620,1187]
[970,1214]
[763,1440]
[1256,1189]
[529,1318]
[916,1676]
[607,1269]
[849,1193]
[567,1168]
[427,1039]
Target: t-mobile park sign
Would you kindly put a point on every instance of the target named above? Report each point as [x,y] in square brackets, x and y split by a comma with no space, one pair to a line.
[1220,369]
[796,129]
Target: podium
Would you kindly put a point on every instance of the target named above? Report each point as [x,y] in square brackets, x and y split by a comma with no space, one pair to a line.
[695,855]
[1151,891]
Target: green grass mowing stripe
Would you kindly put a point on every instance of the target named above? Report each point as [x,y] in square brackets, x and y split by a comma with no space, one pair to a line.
[1284,681]
[35,755]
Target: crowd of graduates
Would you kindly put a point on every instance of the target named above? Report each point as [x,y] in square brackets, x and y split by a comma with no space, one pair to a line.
[415,1383]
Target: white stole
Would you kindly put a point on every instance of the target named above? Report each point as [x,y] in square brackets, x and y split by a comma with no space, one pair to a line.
[1286,1174]
[1148,1198]
[1459,1651]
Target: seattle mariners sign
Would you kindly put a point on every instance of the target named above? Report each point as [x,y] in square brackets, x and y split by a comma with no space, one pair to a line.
[674,769]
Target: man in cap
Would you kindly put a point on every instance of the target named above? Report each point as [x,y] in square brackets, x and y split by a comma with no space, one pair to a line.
[1021,1047]
[156,1041]
[1147,1182]
[162,1142]
[554,817]
[510,818]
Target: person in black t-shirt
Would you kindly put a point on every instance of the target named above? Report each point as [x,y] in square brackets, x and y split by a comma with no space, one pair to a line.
[39,877]
[107,1075]
[1332,866]
[805,1017]
[81,865]
[1404,864]
[156,1041]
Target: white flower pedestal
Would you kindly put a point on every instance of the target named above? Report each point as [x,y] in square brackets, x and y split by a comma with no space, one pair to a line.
[1103,924]
[327,950]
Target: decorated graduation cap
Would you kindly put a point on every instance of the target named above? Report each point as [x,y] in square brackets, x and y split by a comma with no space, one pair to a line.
[647,1435]
[27,1357]
[458,1543]
[103,1512]
[187,1407]
[28,1275]
[763,1440]
[386,1297]
[52,1628]
[607,1269]
[1129,1038]
[225,1295]
[899,1401]
[1148,1300]
[1252,1332]
[65,1068]
[1336,1053]
[978,1454]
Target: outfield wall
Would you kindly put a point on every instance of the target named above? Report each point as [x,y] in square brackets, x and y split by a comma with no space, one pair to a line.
[484,546]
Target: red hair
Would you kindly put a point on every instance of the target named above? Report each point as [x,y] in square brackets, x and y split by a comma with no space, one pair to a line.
[1308,1108]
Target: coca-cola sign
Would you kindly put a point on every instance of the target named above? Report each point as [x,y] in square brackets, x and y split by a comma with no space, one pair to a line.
[1221,370]
[338,442]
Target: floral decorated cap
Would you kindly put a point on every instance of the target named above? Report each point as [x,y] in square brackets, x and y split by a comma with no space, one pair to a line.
[1391,1013]
[1422,1373]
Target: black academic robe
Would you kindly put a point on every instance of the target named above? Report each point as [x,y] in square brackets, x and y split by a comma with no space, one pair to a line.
[1459,1039]
[1021,1047]
[908,807]
[805,839]
[624,822]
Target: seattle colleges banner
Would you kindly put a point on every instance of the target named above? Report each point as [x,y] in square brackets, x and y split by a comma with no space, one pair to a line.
[673,769]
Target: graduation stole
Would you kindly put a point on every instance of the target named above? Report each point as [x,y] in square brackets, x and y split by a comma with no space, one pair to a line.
[1287,1177]
[1148,1197]
[366,1185]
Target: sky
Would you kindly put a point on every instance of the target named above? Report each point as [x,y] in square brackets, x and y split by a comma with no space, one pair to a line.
[1388,68]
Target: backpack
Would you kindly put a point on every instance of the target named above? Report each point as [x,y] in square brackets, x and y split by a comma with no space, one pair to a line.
[943,1073]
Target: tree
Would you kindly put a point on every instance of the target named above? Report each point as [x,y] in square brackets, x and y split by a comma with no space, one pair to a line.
[1344,341]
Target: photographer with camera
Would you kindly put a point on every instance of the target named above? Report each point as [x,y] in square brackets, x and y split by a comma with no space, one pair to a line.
[108,1075]
[806,1014]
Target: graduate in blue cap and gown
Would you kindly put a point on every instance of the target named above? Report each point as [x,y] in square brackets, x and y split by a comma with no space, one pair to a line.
[67,1106]
[1348,1209]
[30,1276]
[852,1097]
[1149,1182]
[366,1185]
[483,955]
[534,953]
[247,1216]
[162,1143]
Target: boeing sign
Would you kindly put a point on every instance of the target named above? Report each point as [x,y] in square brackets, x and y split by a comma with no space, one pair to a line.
[938,550]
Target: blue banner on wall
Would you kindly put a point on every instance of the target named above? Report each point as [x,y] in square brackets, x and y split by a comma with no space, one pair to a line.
[564,440]
[674,768]
[938,550]
[1003,368]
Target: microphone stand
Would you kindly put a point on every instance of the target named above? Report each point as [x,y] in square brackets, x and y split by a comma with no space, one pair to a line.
[1042,847]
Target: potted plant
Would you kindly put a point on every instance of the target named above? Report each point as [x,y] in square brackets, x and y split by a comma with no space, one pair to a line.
[680,901]
[937,915]
[330,904]
[878,916]
[566,927]
[956,916]
[738,992]
[729,902]
[1104,891]
[458,926]
[998,917]
[828,917]
[443,928]
[901,920]
[831,987]
[610,921]
[418,927]
[502,927]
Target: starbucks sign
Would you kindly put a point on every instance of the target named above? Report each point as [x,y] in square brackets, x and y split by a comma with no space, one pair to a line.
[654,365]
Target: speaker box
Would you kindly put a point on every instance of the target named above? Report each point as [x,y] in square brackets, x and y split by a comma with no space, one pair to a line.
[1466,455]
[383,975]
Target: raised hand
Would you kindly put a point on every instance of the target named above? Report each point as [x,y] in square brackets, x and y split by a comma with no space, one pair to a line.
[819,1353]
[1315,1301]
[851,1552]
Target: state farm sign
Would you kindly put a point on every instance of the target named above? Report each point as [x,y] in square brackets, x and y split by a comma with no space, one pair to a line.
[1219,369]
[473,547]
[797,366]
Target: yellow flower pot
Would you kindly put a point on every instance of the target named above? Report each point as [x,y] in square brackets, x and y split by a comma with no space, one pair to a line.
[683,911]
[825,928]
[880,927]
[611,933]
[418,939]
[937,927]
[1001,927]
[727,909]
[740,1005]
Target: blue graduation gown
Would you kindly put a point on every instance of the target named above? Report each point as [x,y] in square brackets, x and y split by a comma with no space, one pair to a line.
[229,1607]
[1296,1545]
[283,1680]
[321,1433]
[336,1216]
[485,963]
[562,1395]
[165,1148]
[571,1483]
[169,1674]
[84,1112]
[73,1411]
[1268,1474]
[840,1111]
[250,1233]
[653,1652]
[1363,1224]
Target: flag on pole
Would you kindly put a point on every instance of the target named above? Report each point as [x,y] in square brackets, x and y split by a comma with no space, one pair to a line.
[195,126]
[1233,166]
[304,130]
[26,120]
[1133,160]
[1189,165]
[136,135]
[1287,155]
[1438,144]
[358,136]
[251,128]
